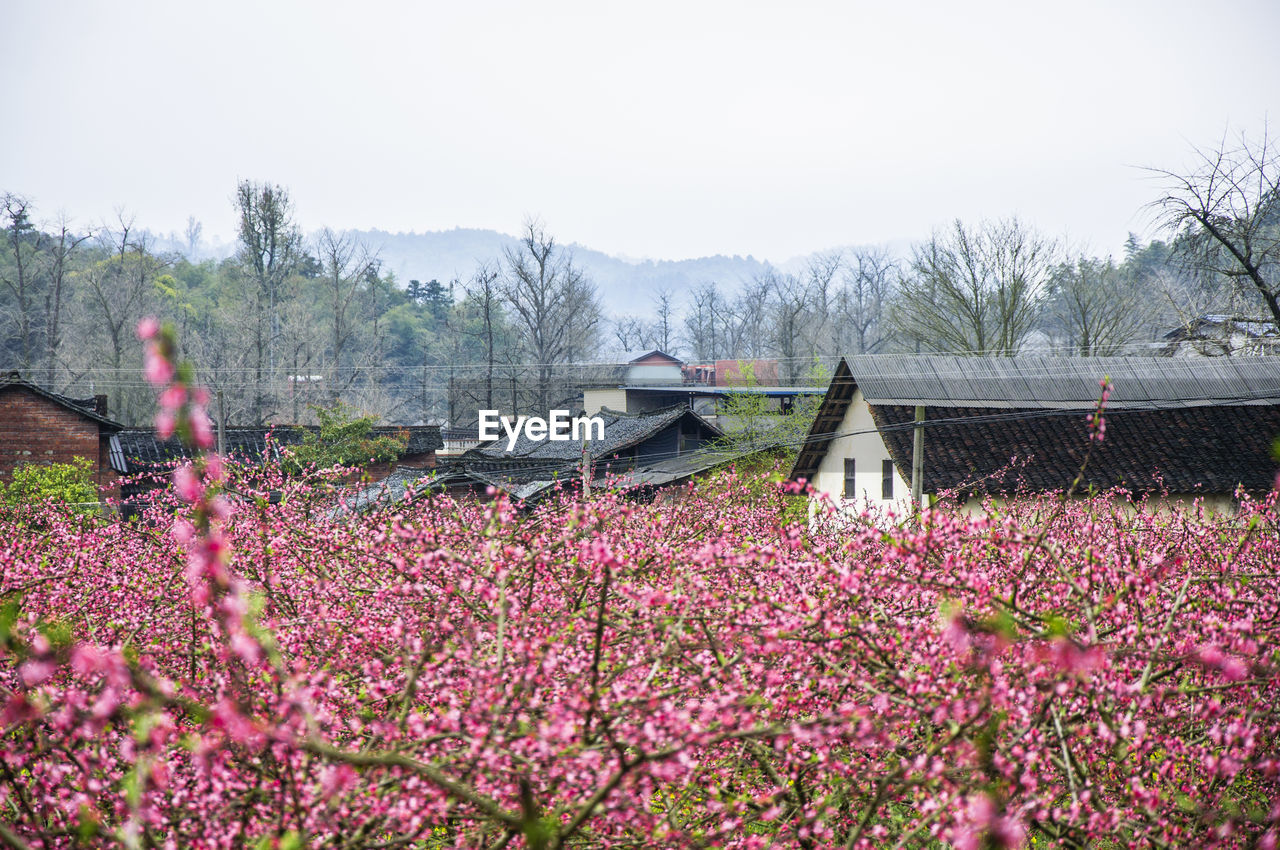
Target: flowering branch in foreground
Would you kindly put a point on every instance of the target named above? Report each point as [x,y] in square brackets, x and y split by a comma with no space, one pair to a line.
[690,673]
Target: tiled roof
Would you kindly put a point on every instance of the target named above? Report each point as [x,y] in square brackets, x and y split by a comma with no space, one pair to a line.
[401,483]
[1206,449]
[535,468]
[621,432]
[1064,382]
[1164,431]
[136,446]
[674,470]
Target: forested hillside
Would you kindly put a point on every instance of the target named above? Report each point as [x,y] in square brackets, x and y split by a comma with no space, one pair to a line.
[414,328]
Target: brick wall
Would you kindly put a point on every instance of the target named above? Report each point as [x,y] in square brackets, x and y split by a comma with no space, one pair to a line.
[375,472]
[34,429]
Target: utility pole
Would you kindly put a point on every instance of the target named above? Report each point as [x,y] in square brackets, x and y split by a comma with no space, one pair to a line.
[917,461]
[222,426]
[586,469]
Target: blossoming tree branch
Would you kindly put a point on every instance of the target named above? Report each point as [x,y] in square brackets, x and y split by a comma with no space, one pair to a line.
[231,670]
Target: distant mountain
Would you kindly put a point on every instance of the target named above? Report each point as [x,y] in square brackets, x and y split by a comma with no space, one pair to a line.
[626,286]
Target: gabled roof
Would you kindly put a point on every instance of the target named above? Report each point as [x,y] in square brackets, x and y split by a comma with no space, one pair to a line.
[408,484]
[718,392]
[1179,450]
[826,423]
[1065,382]
[86,407]
[674,470]
[621,432]
[634,356]
[1182,425]
[1218,324]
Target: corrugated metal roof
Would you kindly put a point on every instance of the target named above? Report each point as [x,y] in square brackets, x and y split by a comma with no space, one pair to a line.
[702,390]
[1065,382]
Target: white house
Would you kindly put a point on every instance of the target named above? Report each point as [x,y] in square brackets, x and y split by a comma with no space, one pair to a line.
[1176,428]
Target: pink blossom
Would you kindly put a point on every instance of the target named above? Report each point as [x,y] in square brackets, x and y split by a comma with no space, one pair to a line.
[35,672]
[166,423]
[173,397]
[183,531]
[201,428]
[157,370]
[148,328]
[186,484]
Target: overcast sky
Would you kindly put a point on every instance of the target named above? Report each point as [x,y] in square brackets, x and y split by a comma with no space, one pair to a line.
[645,129]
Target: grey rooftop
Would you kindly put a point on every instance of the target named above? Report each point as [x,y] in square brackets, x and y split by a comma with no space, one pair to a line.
[1065,382]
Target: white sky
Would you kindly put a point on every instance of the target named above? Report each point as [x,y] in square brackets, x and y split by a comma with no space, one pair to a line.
[647,129]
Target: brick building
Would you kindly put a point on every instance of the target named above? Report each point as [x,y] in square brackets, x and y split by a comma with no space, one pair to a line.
[39,426]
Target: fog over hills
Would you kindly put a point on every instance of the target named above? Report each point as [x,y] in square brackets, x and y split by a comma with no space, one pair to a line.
[626,286]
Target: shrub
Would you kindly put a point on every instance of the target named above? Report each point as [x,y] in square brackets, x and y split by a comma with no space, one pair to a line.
[344,440]
[65,483]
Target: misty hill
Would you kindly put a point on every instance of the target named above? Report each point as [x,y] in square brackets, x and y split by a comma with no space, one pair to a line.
[626,286]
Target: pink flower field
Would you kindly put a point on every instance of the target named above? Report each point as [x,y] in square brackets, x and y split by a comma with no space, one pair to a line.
[692,673]
[613,674]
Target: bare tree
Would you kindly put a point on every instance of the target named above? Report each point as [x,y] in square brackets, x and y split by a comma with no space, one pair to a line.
[552,301]
[484,297]
[58,261]
[191,238]
[270,248]
[975,289]
[1226,212]
[1094,307]
[633,333]
[664,329]
[22,241]
[819,331]
[747,328]
[345,266]
[788,300]
[863,300]
[702,322]
[120,290]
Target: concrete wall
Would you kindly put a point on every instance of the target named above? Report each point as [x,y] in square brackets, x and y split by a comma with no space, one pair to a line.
[859,440]
[655,373]
[1212,505]
[612,398]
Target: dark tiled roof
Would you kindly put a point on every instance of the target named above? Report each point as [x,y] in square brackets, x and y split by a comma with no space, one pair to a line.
[402,483]
[534,469]
[406,485]
[675,470]
[1182,450]
[422,438]
[140,446]
[621,432]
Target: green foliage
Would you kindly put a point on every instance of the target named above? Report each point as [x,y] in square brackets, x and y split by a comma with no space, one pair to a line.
[752,419]
[37,483]
[344,439]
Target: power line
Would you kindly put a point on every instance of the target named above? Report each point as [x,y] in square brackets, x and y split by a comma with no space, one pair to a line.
[550,466]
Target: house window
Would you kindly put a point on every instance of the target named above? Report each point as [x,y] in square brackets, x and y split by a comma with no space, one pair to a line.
[850,489]
[886,479]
